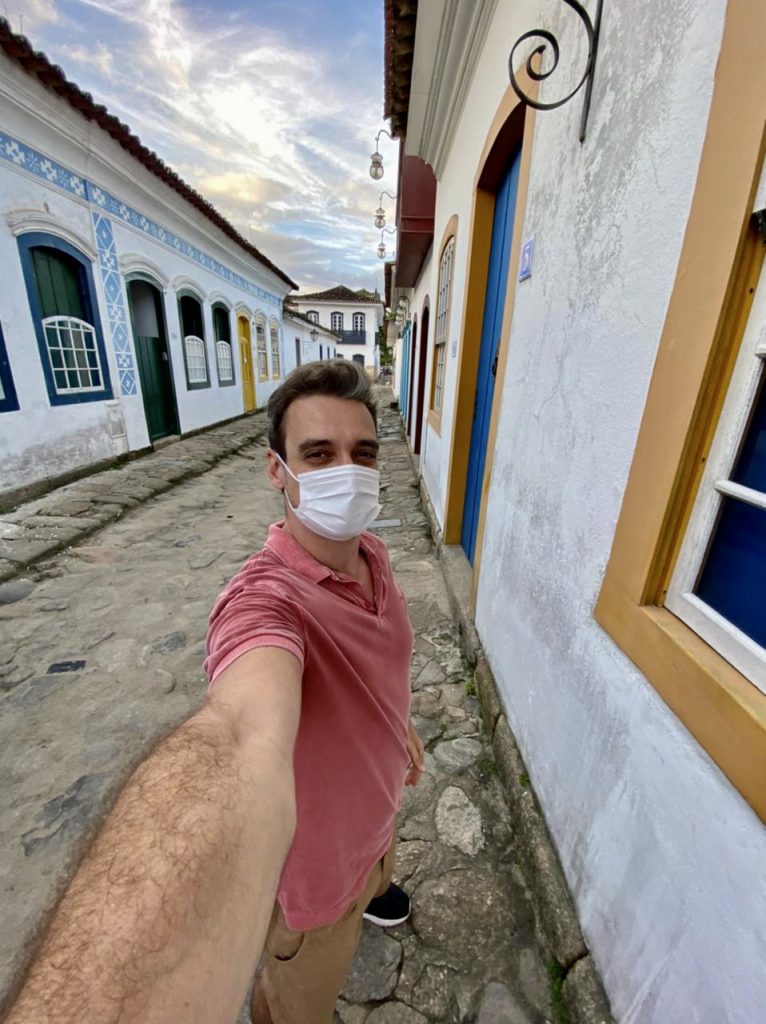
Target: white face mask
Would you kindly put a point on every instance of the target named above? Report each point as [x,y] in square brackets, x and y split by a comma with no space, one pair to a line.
[338,503]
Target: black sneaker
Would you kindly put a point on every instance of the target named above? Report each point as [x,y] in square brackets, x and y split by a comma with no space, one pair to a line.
[393,907]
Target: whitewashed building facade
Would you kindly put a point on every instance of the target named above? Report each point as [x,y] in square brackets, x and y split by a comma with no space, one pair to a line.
[583,378]
[130,309]
[354,316]
[306,341]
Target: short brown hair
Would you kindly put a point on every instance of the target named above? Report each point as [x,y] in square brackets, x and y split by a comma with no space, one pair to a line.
[339,378]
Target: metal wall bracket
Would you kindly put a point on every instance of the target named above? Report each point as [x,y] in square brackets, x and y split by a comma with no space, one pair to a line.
[592,29]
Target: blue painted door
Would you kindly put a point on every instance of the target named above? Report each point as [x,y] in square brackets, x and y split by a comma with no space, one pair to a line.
[494,304]
[404,383]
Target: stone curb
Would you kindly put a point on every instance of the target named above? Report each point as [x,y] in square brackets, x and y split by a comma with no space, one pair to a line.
[583,994]
[112,492]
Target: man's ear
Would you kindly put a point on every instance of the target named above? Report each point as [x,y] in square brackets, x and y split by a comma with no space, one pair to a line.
[274,470]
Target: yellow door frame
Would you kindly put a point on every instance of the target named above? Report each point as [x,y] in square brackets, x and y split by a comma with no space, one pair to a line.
[512,125]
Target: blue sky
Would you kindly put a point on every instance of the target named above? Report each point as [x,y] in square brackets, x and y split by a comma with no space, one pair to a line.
[268,108]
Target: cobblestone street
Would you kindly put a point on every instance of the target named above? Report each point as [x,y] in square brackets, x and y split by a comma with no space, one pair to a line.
[101,653]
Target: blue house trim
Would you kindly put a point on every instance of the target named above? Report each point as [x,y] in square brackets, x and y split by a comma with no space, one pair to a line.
[90,306]
[56,175]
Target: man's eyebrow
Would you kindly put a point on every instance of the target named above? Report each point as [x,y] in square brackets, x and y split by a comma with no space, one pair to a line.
[324,442]
[314,442]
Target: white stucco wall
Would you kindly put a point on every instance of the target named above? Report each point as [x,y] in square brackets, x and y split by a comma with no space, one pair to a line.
[373,313]
[39,440]
[297,329]
[666,861]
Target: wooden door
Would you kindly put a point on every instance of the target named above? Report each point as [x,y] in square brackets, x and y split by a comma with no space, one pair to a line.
[246,362]
[148,322]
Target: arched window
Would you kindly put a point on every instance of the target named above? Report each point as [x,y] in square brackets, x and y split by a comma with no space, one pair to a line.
[260,348]
[444,296]
[359,322]
[62,299]
[223,357]
[336,321]
[276,362]
[193,332]
[313,316]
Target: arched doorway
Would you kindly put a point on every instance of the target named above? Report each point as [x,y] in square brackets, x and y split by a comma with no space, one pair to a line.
[420,412]
[147,318]
[246,362]
[502,172]
[489,350]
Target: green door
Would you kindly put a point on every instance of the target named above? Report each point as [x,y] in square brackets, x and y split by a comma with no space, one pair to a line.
[148,322]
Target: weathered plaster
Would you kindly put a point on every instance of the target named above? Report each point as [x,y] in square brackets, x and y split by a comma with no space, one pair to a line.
[664,857]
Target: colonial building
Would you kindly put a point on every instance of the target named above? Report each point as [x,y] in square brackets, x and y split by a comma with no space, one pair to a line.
[131,310]
[582,374]
[310,341]
[354,316]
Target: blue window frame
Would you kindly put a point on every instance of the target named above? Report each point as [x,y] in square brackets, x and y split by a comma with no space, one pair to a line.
[733,577]
[8,400]
[66,320]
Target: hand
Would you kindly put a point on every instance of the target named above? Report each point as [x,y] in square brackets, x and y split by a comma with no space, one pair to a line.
[416,751]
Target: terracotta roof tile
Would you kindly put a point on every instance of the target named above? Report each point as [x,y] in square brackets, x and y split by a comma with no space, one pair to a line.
[400,19]
[340,293]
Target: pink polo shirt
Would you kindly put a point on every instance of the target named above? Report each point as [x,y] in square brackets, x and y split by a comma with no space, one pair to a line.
[350,752]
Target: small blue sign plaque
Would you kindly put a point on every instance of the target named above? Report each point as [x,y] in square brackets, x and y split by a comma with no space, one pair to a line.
[527,250]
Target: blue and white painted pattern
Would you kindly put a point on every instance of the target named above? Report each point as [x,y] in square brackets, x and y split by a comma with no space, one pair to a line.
[115,305]
[30,160]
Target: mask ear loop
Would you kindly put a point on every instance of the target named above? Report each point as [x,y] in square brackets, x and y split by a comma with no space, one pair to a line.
[284,486]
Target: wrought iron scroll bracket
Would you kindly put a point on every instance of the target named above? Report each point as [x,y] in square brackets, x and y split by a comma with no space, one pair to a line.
[592,29]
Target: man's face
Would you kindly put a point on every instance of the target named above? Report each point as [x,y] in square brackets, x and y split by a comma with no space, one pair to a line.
[321,431]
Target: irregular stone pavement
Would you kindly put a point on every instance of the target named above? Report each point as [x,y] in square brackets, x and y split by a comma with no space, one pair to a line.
[101,653]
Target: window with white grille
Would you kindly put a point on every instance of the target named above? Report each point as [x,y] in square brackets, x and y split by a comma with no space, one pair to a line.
[225,365]
[196,364]
[64,308]
[442,325]
[336,321]
[313,316]
[358,321]
[276,363]
[73,354]
[260,347]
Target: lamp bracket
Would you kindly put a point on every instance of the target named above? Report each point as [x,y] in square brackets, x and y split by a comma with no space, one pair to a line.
[592,29]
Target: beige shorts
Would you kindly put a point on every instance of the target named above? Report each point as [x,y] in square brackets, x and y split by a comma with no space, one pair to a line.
[304,972]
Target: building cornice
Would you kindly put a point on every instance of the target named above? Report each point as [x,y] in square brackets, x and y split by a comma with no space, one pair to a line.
[448,41]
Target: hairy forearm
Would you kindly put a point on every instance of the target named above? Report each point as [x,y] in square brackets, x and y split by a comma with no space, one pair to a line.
[166,916]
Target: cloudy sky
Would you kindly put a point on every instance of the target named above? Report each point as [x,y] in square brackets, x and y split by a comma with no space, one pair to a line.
[269,108]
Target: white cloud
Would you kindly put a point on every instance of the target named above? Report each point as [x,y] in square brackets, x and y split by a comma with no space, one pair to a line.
[276,135]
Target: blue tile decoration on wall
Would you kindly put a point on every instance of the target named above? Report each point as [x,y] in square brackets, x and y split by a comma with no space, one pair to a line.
[115,305]
[27,159]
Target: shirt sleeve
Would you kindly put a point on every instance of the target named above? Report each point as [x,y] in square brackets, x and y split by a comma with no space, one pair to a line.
[250,617]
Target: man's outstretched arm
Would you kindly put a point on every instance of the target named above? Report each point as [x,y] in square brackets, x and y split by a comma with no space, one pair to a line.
[166,916]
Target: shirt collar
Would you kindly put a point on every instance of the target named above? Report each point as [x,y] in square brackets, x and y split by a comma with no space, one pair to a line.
[295,556]
[287,548]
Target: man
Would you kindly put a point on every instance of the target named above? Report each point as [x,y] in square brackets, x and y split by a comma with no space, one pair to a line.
[286,782]
[322,592]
